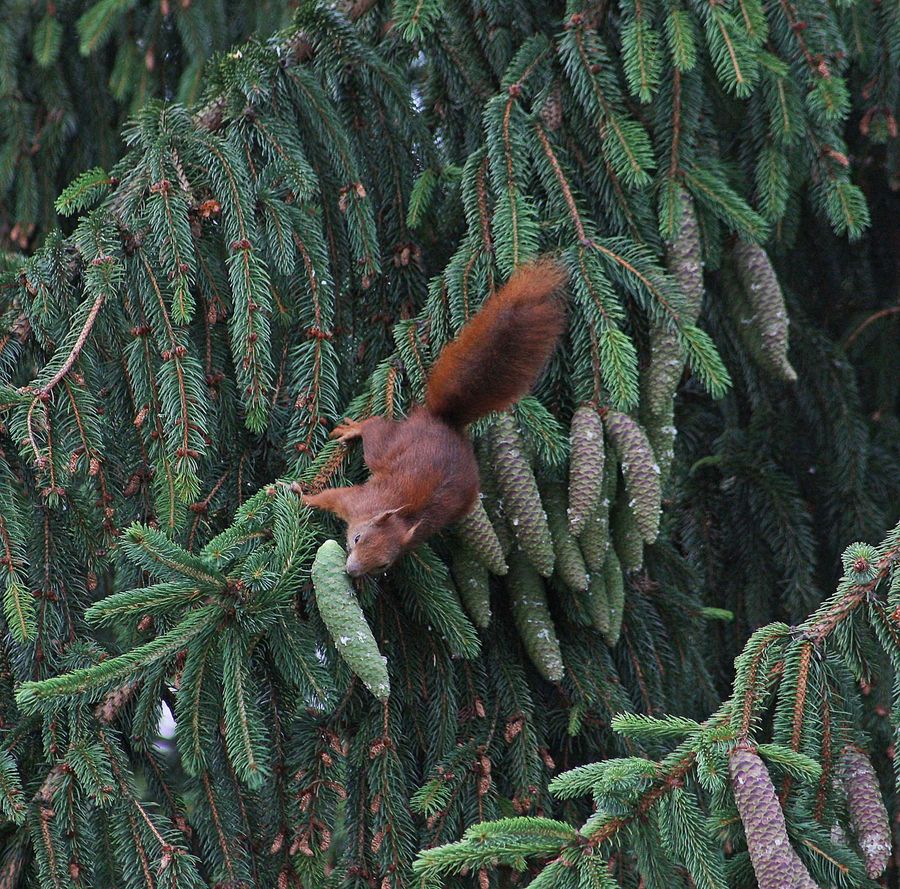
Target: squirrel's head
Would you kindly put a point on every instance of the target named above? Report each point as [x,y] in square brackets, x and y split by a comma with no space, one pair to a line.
[375,543]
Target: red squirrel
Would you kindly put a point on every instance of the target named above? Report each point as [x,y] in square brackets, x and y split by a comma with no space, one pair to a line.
[423,470]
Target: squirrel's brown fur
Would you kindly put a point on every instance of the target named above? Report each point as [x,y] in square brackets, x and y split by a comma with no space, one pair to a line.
[423,470]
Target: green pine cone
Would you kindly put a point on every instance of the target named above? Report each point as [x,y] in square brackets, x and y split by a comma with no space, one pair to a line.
[519,492]
[660,380]
[490,498]
[661,432]
[768,315]
[477,533]
[640,469]
[585,467]
[345,620]
[597,602]
[473,582]
[569,562]
[614,584]
[594,540]
[626,536]
[684,259]
[663,374]
[532,617]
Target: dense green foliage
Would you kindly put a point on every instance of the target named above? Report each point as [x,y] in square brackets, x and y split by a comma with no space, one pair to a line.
[298,244]
[71,71]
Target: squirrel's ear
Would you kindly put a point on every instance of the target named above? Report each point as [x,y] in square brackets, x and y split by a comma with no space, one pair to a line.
[382,517]
[411,533]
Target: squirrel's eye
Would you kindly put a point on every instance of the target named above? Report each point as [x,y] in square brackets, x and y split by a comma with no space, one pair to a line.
[356,539]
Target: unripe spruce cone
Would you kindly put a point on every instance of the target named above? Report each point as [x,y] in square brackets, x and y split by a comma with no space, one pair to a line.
[660,380]
[594,540]
[473,582]
[775,863]
[490,497]
[640,469]
[769,315]
[597,603]
[659,383]
[477,533]
[868,815]
[519,491]
[585,467]
[685,264]
[532,617]
[569,562]
[614,584]
[684,259]
[663,374]
[661,433]
[345,621]
[627,540]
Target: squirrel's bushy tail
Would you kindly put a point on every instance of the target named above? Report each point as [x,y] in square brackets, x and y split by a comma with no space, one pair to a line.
[499,353]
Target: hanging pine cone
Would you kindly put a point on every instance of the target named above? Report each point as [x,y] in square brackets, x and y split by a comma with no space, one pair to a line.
[597,603]
[660,380]
[640,469]
[868,815]
[614,584]
[490,497]
[552,110]
[585,467]
[594,540]
[658,385]
[532,617]
[477,533]
[662,376]
[626,536]
[345,621]
[768,321]
[519,491]
[775,863]
[569,562]
[684,259]
[474,584]
[661,432]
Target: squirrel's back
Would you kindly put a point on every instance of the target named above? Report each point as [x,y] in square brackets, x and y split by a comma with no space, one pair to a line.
[499,353]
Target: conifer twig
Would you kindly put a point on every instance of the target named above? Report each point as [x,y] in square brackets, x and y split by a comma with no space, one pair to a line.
[76,349]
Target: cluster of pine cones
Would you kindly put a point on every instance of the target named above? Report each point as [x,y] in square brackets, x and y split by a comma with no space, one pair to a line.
[529,532]
[775,862]
[589,537]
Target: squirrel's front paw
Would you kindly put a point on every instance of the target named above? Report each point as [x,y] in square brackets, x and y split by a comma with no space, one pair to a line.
[347,430]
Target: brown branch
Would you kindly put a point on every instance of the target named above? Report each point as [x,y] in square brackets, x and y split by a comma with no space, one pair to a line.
[79,345]
[890,310]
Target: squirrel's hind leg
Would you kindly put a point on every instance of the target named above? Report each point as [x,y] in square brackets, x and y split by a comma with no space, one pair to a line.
[378,436]
[337,500]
